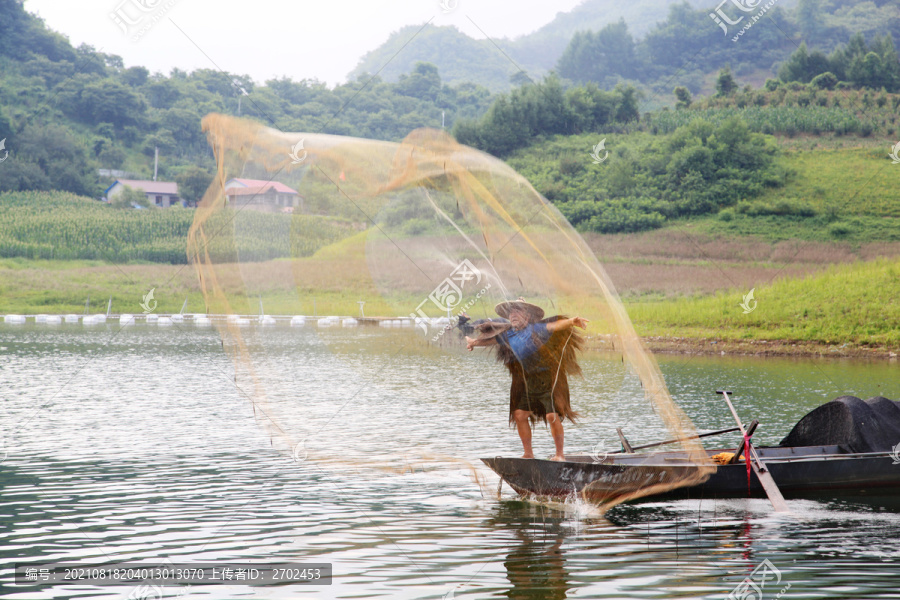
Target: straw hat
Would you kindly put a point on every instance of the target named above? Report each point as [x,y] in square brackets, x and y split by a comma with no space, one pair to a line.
[535,313]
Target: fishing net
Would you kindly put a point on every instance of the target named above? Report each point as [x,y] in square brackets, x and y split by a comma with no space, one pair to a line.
[423,231]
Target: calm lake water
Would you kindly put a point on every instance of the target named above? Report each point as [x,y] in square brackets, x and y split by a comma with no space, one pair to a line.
[140,444]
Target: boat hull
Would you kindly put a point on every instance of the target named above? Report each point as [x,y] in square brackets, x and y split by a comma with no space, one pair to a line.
[807,472]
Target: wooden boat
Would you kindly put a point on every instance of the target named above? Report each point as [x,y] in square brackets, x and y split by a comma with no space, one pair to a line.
[859,463]
[801,472]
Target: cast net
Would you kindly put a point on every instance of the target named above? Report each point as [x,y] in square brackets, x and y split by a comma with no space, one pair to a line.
[422,231]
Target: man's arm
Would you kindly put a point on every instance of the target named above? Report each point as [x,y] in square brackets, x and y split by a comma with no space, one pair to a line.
[566,323]
[472,342]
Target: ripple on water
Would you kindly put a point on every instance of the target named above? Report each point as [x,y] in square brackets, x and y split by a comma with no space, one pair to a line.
[141,445]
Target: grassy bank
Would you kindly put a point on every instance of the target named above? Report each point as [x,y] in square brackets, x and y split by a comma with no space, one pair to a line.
[854,305]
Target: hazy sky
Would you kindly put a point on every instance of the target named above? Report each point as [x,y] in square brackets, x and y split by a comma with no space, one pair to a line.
[321,39]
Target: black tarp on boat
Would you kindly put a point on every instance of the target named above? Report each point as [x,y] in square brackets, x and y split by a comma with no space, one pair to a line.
[855,425]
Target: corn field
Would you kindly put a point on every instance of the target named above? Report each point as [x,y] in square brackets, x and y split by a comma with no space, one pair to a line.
[62,226]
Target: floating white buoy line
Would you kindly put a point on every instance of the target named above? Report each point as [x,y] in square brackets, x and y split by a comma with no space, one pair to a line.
[406,322]
[298,321]
[266,321]
[90,320]
[164,322]
[126,319]
[71,318]
[242,322]
[177,318]
[99,318]
[202,321]
[16,319]
[152,317]
[53,320]
[40,318]
[351,322]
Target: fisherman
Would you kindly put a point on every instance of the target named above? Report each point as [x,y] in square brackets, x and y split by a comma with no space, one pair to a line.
[540,354]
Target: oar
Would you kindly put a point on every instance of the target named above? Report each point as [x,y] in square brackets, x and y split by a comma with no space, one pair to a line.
[765,478]
[631,449]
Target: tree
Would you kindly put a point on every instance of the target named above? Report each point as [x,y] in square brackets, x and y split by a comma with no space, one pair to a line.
[192,184]
[825,81]
[602,57]
[810,16]
[683,97]
[725,83]
[424,82]
[135,76]
[519,78]
[129,198]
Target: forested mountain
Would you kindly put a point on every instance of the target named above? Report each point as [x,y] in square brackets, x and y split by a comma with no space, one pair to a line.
[690,44]
[606,41]
[65,112]
[462,58]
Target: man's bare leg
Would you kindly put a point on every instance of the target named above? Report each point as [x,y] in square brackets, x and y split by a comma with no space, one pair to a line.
[556,430]
[524,429]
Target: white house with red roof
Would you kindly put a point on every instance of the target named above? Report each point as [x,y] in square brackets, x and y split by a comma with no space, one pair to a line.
[158,193]
[262,195]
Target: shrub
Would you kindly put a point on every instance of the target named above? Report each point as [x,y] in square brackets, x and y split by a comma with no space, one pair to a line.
[839,229]
[825,81]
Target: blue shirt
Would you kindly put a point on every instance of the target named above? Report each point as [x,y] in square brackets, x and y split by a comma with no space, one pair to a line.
[525,344]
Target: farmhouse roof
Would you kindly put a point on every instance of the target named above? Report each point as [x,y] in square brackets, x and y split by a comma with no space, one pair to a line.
[259,185]
[253,191]
[149,187]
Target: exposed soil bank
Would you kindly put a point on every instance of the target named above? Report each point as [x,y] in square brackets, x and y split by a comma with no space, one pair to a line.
[680,345]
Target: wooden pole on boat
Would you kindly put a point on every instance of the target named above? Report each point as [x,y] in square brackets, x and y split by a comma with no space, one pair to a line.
[765,478]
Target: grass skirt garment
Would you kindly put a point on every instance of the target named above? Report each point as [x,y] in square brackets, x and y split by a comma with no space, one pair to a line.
[544,378]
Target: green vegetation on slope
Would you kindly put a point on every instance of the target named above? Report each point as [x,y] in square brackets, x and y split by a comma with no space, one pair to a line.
[645,179]
[856,303]
[66,112]
[791,109]
[691,44]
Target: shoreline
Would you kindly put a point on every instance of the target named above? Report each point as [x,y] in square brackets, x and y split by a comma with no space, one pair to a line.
[763,348]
